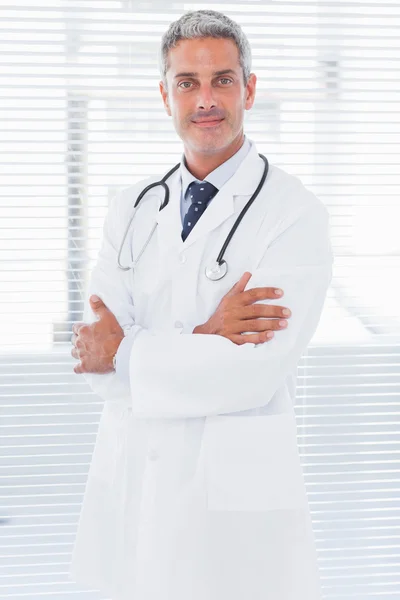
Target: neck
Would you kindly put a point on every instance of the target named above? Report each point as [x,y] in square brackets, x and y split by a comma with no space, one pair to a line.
[200,165]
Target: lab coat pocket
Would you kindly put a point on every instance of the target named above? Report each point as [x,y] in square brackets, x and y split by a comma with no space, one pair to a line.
[252,463]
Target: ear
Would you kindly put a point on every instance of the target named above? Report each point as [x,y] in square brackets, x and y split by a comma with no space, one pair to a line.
[164,94]
[250,91]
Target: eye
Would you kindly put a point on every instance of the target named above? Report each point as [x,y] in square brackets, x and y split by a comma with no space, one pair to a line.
[179,85]
[226,79]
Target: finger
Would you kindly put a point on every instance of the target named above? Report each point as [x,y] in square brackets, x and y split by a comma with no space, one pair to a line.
[75,352]
[259,293]
[255,338]
[78,369]
[264,325]
[239,285]
[73,339]
[98,306]
[77,326]
[255,311]
[259,324]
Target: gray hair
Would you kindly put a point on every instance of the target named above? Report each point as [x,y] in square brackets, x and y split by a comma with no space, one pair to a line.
[201,24]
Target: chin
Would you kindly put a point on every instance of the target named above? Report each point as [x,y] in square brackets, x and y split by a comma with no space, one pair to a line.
[209,148]
[212,142]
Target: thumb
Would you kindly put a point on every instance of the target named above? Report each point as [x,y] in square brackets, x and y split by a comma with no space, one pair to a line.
[240,285]
[97,305]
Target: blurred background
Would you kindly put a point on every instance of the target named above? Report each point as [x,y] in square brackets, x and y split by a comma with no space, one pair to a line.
[81,117]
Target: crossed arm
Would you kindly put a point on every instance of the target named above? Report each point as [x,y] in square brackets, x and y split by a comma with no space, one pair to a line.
[165,380]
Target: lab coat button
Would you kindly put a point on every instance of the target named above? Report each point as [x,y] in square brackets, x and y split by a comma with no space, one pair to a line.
[178,324]
[182,258]
[153,455]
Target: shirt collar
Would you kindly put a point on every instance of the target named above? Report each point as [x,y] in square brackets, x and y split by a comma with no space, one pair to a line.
[219,176]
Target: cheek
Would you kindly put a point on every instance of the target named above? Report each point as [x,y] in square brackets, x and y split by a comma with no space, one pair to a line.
[177,108]
[238,110]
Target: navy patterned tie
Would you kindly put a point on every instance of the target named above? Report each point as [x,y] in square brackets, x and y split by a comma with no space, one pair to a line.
[200,195]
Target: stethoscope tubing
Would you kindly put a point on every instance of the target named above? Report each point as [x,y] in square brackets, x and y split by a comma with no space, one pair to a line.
[244,210]
[220,261]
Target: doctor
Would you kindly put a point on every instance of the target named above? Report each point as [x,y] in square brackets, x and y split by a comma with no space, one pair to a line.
[196,490]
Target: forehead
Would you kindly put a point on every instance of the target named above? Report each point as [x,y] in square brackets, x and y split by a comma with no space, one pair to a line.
[203,55]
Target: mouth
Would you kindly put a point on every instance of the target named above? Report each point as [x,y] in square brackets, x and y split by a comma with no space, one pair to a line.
[207,123]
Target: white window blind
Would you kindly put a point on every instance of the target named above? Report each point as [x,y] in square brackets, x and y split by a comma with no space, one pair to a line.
[81,116]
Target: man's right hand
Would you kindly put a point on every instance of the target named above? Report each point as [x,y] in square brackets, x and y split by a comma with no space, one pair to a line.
[237,313]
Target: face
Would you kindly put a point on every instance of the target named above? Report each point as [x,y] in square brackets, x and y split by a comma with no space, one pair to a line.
[205,93]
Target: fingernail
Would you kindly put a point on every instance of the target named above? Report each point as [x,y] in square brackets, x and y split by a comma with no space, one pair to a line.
[283,323]
[286,311]
[278,292]
[95,298]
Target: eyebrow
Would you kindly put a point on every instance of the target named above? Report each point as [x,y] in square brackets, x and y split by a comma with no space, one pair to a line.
[192,74]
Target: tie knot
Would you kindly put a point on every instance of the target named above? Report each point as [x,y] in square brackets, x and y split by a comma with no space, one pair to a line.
[201,192]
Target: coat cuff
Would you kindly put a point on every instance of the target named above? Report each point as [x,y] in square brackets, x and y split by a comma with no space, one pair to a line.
[125,348]
[123,355]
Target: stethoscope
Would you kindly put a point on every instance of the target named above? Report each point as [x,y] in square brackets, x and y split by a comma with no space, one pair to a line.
[220,268]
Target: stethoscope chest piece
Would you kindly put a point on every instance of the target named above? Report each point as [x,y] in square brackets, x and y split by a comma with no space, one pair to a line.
[217,271]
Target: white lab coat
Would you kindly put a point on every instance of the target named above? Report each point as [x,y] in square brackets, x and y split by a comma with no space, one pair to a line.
[196,489]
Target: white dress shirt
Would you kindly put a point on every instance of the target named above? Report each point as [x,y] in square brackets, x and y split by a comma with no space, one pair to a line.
[218,177]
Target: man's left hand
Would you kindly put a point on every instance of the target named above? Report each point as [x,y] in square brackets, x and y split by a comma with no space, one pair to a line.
[96,344]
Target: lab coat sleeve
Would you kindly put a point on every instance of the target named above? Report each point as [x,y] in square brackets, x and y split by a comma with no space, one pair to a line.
[109,283]
[125,348]
[112,285]
[203,375]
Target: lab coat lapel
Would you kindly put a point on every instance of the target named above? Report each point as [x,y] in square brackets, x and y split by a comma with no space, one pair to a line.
[226,202]
[169,226]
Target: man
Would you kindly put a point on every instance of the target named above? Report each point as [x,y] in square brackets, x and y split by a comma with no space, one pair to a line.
[195,489]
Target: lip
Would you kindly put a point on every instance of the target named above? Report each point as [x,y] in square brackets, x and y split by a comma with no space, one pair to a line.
[208,123]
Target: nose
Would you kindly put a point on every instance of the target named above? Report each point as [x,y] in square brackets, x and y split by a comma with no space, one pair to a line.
[206,98]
